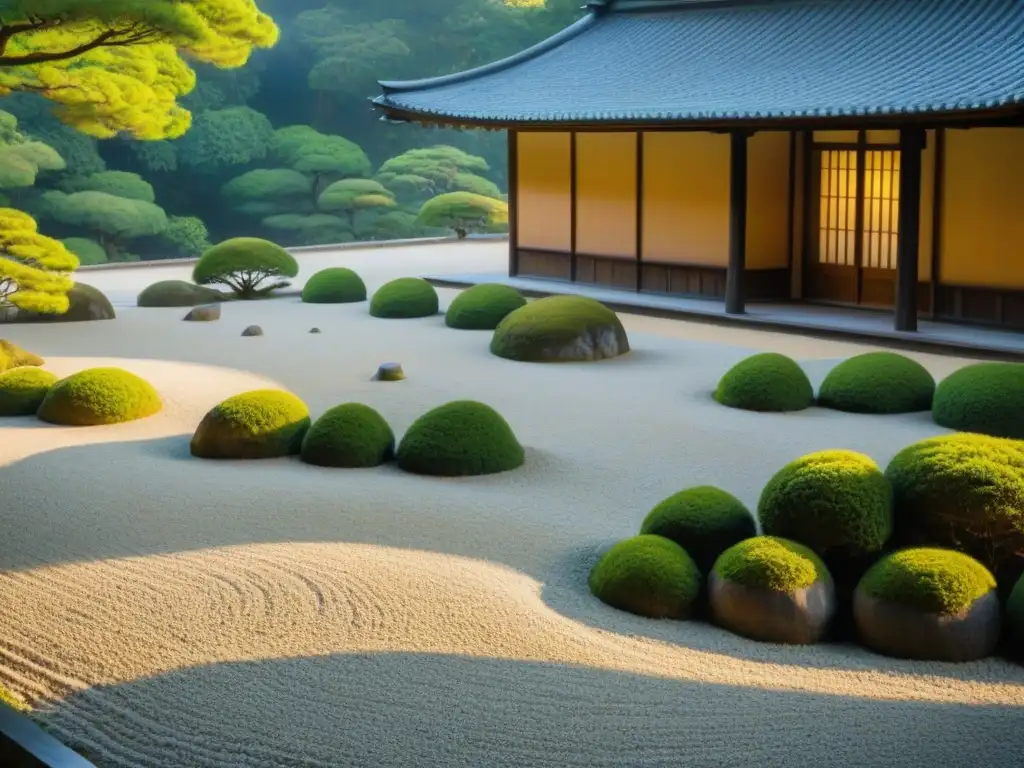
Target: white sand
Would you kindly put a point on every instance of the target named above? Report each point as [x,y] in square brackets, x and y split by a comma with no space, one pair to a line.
[164,611]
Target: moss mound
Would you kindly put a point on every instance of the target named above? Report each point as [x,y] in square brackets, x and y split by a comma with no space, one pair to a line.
[766,382]
[705,521]
[962,491]
[334,285]
[349,435]
[262,424]
[406,297]
[649,576]
[13,356]
[931,580]
[832,501]
[987,398]
[560,329]
[771,562]
[483,307]
[462,437]
[98,396]
[22,390]
[178,293]
[1015,614]
[878,382]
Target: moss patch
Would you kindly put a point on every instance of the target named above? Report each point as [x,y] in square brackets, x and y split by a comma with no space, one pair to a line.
[766,382]
[560,329]
[987,398]
[179,293]
[334,285]
[406,297]
[99,396]
[13,356]
[933,580]
[483,307]
[773,563]
[878,382]
[262,424]
[649,576]
[14,702]
[22,390]
[349,435]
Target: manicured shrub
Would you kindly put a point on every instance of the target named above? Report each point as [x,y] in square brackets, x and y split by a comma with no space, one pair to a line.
[262,424]
[705,521]
[1015,615]
[649,576]
[482,307]
[766,382]
[987,398]
[878,382]
[250,267]
[178,293]
[934,580]
[462,437]
[771,562]
[560,329]
[22,390]
[334,285]
[406,297]
[349,435]
[13,356]
[962,491]
[98,396]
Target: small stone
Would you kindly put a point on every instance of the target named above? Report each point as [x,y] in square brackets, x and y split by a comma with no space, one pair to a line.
[253,330]
[314,330]
[204,313]
[389,372]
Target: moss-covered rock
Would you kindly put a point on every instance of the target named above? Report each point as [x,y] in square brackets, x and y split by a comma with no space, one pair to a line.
[705,521]
[962,491]
[483,307]
[85,303]
[462,437]
[406,297]
[1015,616]
[261,424]
[349,435]
[649,576]
[179,293]
[13,356]
[878,382]
[771,562]
[98,396]
[334,285]
[987,398]
[22,390]
[560,329]
[766,382]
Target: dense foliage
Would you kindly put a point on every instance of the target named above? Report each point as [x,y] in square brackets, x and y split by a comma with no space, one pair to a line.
[248,266]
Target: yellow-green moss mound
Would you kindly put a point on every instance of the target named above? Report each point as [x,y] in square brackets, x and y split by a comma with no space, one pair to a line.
[334,285]
[649,576]
[22,390]
[560,329]
[483,307]
[350,435]
[99,396]
[878,382]
[261,424]
[178,293]
[13,356]
[937,581]
[404,298]
[766,382]
[987,398]
[772,563]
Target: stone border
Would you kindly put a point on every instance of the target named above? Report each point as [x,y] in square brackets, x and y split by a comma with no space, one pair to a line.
[23,743]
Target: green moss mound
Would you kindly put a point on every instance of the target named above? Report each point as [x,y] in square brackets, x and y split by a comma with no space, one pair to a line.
[1015,614]
[560,329]
[13,356]
[931,580]
[649,576]
[482,307]
[963,491]
[250,267]
[772,563]
[406,297]
[705,521]
[262,424]
[98,396]
[350,435]
[334,285]
[987,398]
[462,437]
[178,293]
[22,390]
[835,502]
[878,382]
[766,382]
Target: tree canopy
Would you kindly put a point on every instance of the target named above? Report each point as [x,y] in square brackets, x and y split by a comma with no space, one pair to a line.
[35,271]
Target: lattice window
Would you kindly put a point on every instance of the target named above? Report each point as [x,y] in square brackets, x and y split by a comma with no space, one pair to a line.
[881,208]
[838,199]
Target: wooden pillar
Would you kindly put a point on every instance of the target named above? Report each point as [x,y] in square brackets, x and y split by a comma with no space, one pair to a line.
[513,204]
[911,146]
[735,292]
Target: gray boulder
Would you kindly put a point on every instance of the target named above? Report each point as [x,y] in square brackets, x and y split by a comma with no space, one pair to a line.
[389,372]
[800,617]
[204,314]
[253,330]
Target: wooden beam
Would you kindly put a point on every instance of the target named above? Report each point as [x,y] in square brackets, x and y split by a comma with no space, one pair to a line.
[639,210]
[735,294]
[937,212]
[513,204]
[911,145]
[572,206]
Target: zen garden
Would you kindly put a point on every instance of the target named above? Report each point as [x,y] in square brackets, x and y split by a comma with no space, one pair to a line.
[280,496]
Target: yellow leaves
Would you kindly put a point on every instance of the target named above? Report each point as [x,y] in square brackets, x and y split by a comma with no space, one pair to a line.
[35,270]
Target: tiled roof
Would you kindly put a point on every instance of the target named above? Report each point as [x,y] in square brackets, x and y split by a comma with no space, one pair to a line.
[743,60]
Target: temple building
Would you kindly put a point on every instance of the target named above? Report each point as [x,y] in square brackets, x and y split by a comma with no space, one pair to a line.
[856,152]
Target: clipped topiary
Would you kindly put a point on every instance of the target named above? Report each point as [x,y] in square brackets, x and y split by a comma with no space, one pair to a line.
[249,266]
[406,297]
[261,424]
[22,390]
[767,382]
[462,437]
[705,521]
[13,356]
[85,303]
[482,307]
[649,576]
[987,398]
[178,293]
[349,435]
[772,589]
[962,491]
[878,382]
[98,396]
[560,329]
[334,285]
[932,604]
[1015,615]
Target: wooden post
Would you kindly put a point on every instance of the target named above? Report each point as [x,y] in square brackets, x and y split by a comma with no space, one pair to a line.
[513,204]
[911,146]
[735,293]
